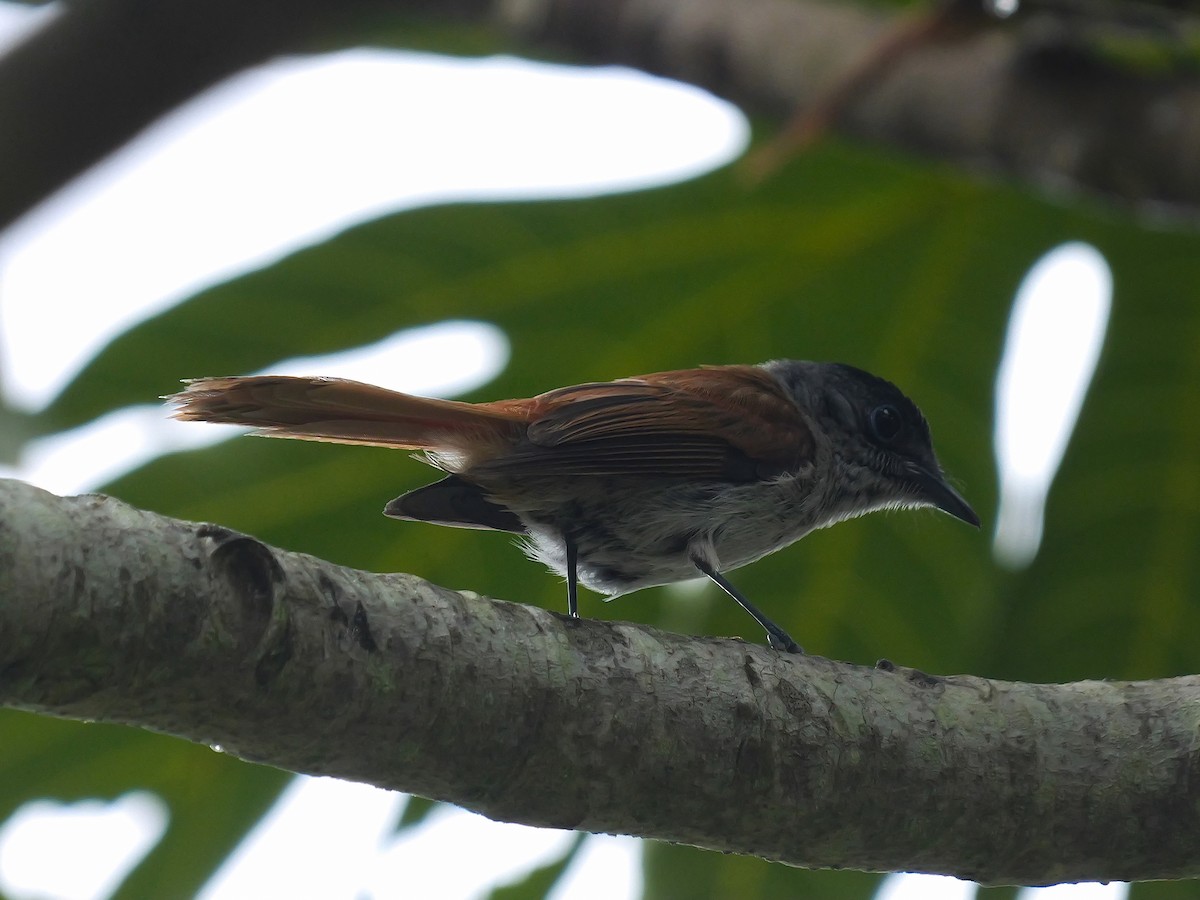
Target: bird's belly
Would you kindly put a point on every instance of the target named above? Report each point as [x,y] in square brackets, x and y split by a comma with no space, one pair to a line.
[631,539]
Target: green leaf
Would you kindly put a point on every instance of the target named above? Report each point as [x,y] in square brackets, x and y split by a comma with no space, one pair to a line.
[415,811]
[1164,890]
[538,883]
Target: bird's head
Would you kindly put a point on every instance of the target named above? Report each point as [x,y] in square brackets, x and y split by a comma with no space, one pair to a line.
[882,451]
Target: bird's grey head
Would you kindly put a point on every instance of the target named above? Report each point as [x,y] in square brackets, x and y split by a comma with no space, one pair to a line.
[883,453]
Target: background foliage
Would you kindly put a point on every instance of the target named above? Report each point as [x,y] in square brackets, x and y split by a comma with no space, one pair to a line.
[903,268]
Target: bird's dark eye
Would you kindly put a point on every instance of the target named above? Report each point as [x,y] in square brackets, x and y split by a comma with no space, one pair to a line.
[885,423]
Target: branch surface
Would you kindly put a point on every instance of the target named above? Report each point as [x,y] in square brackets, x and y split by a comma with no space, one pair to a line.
[115,614]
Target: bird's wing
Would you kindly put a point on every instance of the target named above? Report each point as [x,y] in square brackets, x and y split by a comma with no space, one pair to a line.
[732,423]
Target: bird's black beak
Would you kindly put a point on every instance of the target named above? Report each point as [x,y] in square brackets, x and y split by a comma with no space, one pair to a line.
[933,489]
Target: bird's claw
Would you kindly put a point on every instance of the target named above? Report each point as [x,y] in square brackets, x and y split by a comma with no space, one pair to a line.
[783,643]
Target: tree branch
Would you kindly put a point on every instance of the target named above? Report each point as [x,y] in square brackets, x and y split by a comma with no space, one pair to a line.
[111,613]
[1043,98]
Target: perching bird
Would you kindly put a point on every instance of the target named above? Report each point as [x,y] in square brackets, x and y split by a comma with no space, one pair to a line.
[641,481]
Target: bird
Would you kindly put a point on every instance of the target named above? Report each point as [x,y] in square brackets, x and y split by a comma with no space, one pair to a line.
[626,484]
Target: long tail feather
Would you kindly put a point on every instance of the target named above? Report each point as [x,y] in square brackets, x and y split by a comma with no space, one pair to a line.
[344,412]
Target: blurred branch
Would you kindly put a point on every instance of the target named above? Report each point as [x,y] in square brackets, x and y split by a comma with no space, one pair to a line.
[1108,109]
[111,613]
[1109,104]
[103,70]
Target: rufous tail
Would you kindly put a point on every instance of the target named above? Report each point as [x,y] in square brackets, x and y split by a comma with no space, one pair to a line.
[344,412]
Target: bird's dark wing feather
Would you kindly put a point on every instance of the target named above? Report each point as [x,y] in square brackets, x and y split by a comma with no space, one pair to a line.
[732,423]
[454,501]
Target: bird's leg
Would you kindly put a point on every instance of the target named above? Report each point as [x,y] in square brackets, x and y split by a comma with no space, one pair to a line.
[572,577]
[776,636]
